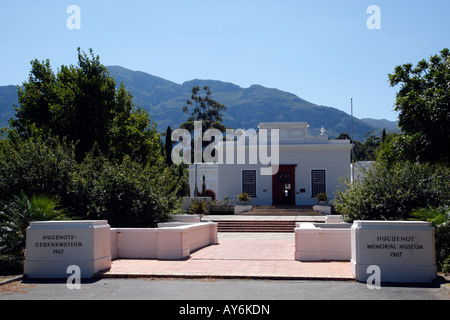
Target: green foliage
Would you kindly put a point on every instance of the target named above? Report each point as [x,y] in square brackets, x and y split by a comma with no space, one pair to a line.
[203,186]
[36,165]
[204,109]
[363,151]
[391,193]
[78,140]
[243,197]
[134,135]
[394,147]
[436,216]
[15,218]
[168,146]
[200,207]
[129,194]
[322,197]
[423,103]
[440,220]
[81,104]
[446,265]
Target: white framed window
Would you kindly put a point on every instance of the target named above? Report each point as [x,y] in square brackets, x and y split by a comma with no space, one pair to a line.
[249,182]
[318,183]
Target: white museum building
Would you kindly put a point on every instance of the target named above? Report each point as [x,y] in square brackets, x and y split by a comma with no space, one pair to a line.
[306,165]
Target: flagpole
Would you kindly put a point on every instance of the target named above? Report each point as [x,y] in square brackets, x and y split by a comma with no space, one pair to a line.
[353,143]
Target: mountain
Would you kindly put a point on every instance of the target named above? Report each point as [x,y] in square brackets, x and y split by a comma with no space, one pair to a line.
[390,126]
[8,98]
[246,107]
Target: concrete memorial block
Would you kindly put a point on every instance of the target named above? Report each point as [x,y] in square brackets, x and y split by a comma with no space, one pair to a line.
[322,241]
[53,246]
[403,250]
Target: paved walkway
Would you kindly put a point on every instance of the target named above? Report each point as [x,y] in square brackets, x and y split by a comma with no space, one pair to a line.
[237,256]
[303,218]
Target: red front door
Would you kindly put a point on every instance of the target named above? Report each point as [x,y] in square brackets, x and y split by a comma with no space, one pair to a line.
[283,186]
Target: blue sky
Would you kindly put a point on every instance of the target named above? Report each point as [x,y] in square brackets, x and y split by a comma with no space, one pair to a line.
[320,50]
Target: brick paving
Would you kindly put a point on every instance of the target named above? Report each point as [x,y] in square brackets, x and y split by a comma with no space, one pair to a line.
[237,256]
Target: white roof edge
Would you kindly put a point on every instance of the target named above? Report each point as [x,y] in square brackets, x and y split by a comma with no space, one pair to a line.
[274,125]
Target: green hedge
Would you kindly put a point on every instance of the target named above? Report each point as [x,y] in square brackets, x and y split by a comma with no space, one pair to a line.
[392,192]
[127,194]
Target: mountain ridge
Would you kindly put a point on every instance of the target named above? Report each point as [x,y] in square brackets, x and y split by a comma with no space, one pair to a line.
[246,107]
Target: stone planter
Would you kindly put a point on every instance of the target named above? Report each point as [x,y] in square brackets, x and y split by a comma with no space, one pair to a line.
[238,209]
[333,219]
[324,208]
[188,218]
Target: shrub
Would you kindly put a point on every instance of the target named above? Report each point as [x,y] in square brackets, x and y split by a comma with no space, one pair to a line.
[440,220]
[200,207]
[15,217]
[244,197]
[322,197]
[127,194]
[446,266]
[37,165]
[392,192]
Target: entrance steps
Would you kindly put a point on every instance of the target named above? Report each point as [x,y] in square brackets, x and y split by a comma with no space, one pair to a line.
[282,211]
[284,219]
[255,226]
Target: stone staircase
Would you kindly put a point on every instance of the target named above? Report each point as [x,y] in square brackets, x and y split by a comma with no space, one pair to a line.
[255,226]
[267,224]
[282,211]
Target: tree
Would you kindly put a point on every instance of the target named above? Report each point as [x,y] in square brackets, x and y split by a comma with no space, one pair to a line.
[168,146]
[39,164]
[344,136]
[370,146]
[395,148]
[203,194]
[423,103]
[81,103]
[204,109]
[363,151]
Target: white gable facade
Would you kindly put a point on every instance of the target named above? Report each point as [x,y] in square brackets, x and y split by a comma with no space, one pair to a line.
[306,165]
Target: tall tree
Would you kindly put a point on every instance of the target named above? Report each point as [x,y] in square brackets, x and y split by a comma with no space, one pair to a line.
[423,103]
[82,104]
[168,146]
[204,109]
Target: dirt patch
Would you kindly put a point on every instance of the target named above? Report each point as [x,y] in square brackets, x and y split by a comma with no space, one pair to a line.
[15,287]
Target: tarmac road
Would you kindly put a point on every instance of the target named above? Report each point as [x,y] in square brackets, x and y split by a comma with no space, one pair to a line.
[215,289]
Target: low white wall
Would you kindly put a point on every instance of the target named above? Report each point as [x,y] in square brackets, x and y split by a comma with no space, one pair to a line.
[318,242]
[169,241]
